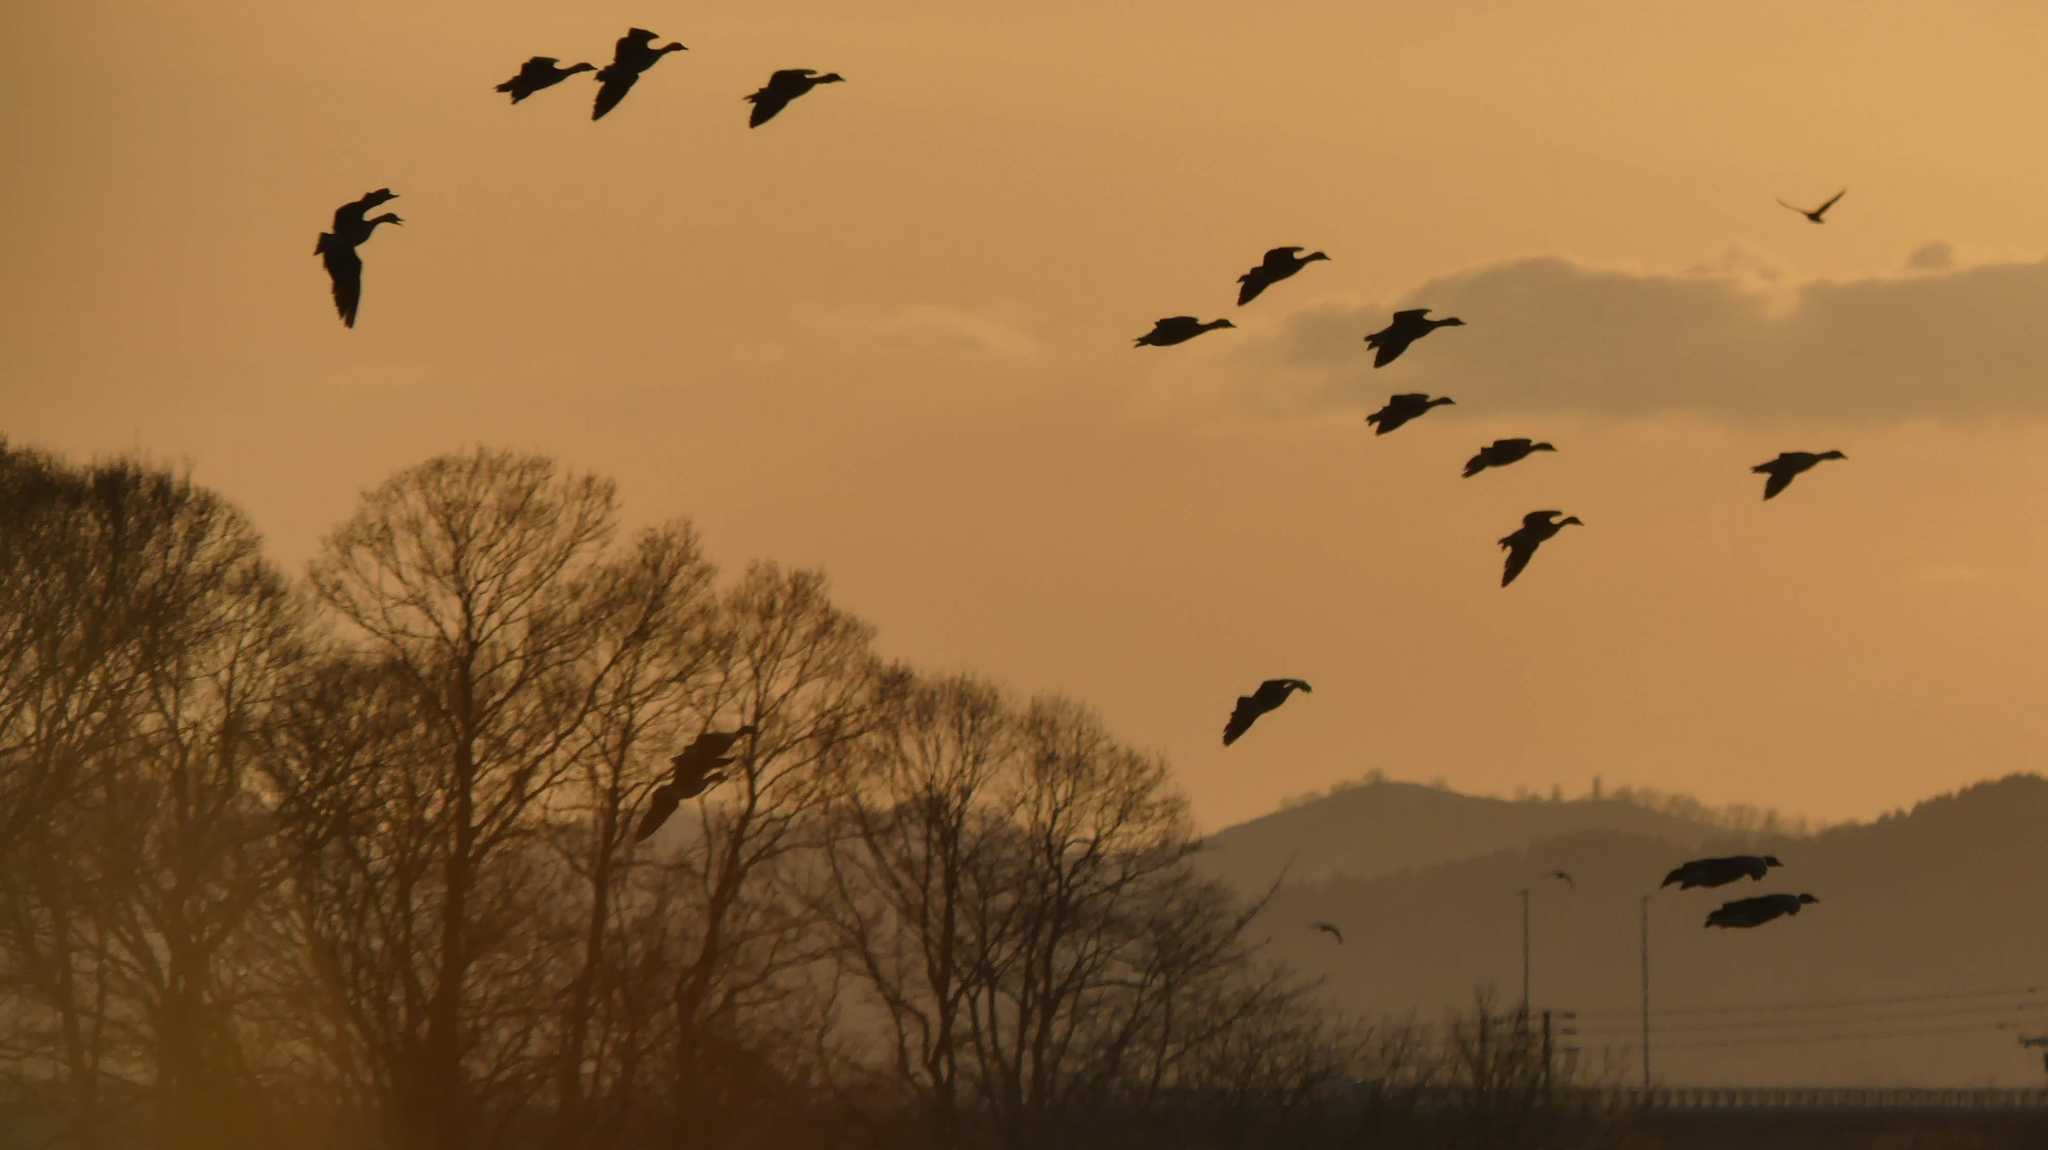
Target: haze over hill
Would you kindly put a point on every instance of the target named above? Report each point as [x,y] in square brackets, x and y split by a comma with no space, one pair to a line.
[1925,959]
[1373,827]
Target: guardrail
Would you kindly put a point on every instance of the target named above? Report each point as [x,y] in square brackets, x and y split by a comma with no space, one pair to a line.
[1818,1098]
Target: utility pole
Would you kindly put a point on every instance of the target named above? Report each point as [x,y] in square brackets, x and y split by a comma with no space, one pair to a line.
[1546,1052]
[1525,957]
[1646,992]
[2041,1041]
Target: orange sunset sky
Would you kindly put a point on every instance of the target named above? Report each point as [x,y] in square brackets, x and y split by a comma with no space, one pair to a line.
[889,334]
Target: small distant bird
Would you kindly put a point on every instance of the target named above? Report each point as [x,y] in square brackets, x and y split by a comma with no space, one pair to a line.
[1816,214]
[781,88]
[1329,928]
[1720,871]
[1521,544]
[537,73]
[337,249]
[633,54]
[1402,408]
[695,771]
[1270,694]
[1567,879]
[1502,452]
[1787,465]
[1178,329]
[1408,326]
[1278,265]
[1748,912]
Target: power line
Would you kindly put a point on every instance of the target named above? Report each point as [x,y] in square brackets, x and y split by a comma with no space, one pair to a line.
[1858,1036]
[1836,1004]
[1885,1015]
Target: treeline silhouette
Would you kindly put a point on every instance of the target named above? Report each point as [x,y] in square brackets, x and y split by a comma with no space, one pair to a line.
[350,861]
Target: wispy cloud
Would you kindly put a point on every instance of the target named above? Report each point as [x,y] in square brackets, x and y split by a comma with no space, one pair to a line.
[1552,335]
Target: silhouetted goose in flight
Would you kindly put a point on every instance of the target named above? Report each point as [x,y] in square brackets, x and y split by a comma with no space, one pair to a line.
[1816,214]
[634,54]
[1568,881]
[1329,928]
[1278,265]
[1178,329]
[1408,326]
[1720,871]
[1536,527]
[1788,464]
[1402,408]
[337,249]
[782,87]
[1748,912]
[1270,694]
[695,771]
[1502,452]
[537,73]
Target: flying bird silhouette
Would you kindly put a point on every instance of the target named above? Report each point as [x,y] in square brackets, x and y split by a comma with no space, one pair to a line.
[1270,694]
[633,54]
[1402,408]
[1787,465]
[781,88]
[1719,871]
[1567,879]
[1329,928]
[539,72]
[1502,452]
[1748,912]
[695,771]
[1816,214]
[337,249]
[1407,327]
[1178,329]
[1521,543]
[1278,265]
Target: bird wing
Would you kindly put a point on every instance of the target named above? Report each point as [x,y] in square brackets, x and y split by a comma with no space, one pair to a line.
[1410,398]
[1329,928]
[1390,348]
[787,77]
[1778,481]
[1539,518]
[1410,315]
[1254,283]
[1568,880]
[1478,463]
[767,102]
[1831,202]
[1241,718]
[1800,210]
[1513,444]
[612,87]
[1278,257]
[660,805]
[345,270]
[1519,553]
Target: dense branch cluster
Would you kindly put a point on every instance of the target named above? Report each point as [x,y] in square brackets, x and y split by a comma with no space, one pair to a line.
[350,860]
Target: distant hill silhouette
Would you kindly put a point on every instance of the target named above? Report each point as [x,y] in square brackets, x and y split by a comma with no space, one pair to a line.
[1371,829]
[1948,900]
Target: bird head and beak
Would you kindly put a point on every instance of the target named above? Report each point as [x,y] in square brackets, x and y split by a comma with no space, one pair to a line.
[1450,321]
[1542,447]
[830,78]
[1806,898]
[1569,520]
[1314,256]
[1832,455]
[1224,323]
[1771,861]
[1443,400]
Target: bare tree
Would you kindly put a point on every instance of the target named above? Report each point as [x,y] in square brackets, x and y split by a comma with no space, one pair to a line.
[801,671]
[478,579]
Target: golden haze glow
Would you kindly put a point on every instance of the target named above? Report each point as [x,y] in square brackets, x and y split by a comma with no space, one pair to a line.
[889,334]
